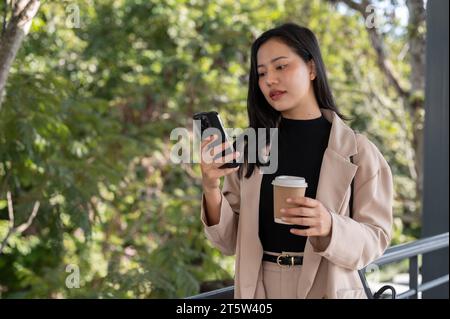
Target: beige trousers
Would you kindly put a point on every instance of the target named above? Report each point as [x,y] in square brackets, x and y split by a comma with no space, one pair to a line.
[279,282]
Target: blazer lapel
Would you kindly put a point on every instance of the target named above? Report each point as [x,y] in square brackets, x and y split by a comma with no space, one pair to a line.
[335,177]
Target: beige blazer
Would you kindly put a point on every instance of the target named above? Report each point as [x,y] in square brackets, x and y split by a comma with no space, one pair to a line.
[330,264]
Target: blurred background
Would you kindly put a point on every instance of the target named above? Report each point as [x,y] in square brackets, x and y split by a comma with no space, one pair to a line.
[91,91]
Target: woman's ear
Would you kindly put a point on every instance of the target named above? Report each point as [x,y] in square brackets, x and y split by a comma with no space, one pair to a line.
[312,70]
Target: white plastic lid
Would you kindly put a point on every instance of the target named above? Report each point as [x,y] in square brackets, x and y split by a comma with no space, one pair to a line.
[289,181]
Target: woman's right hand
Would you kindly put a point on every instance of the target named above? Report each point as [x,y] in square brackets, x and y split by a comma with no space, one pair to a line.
[211,173]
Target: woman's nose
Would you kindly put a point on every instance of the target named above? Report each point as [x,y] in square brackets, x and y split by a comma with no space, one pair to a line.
[271,79]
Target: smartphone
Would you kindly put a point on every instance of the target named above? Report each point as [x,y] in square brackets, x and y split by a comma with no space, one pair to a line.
[212,120]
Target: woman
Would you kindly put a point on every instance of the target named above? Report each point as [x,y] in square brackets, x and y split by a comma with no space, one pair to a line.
[288,89]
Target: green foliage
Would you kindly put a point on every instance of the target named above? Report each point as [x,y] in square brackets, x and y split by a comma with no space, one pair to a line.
[85,127]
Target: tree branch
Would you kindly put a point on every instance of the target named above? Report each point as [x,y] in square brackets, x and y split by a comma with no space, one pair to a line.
[10,210]
[5,14]
[20,229]
[377,43]
[25,226]
[24,10]
[15,31]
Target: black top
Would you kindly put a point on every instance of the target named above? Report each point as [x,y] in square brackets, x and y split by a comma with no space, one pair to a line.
[301,145]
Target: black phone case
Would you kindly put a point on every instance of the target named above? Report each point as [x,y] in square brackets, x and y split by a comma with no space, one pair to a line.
[212,119]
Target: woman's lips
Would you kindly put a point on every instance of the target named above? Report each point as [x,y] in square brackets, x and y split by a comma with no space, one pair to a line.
[277,96]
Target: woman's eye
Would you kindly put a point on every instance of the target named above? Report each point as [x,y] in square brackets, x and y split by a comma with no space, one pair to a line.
[280,67]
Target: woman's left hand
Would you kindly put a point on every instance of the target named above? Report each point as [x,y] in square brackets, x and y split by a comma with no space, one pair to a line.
[309,212]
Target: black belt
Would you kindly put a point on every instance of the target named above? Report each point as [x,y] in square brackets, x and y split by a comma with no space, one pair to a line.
[284,260]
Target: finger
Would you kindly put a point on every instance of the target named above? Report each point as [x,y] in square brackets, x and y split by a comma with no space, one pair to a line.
[304,232]
[227,171]
[298,211]
[207,141]
[301,221]
[219,148]
[212,152]
[303,201]
[227,158]
[209,154]
[207,157]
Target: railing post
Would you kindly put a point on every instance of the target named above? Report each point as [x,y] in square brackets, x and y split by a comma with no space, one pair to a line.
[414,276]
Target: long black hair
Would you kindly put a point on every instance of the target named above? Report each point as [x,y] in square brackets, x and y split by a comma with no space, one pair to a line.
[260,113]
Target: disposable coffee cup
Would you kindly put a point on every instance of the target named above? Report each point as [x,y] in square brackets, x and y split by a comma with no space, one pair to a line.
[285,187]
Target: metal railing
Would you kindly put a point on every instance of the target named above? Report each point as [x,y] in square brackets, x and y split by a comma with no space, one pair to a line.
[394,254]
[412,251]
